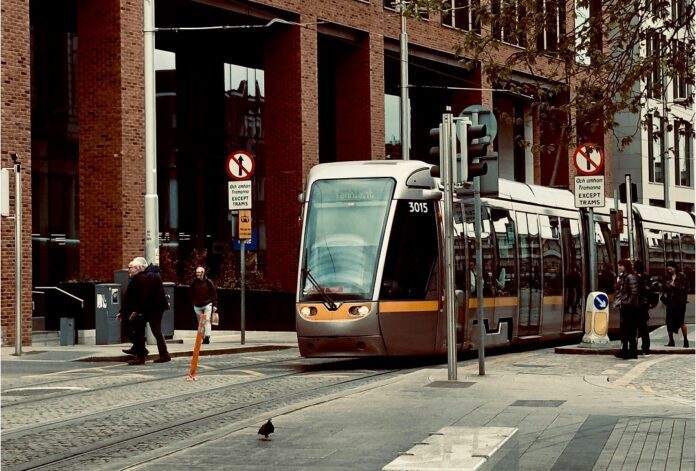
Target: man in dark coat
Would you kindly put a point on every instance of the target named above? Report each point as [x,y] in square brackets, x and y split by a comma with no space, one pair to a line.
[149,305]
[128,307]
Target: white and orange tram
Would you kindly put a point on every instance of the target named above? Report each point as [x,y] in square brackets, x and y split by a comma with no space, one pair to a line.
[371,271]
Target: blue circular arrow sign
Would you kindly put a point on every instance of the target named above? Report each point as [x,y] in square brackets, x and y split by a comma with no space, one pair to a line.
[601,301]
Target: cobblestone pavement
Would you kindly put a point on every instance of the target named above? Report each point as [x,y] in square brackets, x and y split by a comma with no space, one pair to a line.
[118,416]
[662,375]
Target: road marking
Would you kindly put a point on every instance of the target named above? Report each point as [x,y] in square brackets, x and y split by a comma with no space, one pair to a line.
[638,370]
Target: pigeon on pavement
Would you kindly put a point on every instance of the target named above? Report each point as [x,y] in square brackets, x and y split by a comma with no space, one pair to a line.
[266,429]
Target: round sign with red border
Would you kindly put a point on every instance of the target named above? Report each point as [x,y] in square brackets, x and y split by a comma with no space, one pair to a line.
[240,165]
[588,159]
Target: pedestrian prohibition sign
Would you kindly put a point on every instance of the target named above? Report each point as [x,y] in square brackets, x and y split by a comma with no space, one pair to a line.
[588,159]
[240,165]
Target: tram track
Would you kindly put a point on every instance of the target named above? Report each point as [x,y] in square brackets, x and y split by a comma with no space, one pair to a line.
[124,437]
[20,418]
[73,375]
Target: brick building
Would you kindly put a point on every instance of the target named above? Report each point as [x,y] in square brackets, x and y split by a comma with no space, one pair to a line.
[293,82]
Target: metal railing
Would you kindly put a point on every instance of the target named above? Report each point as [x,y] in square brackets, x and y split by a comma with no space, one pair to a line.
[82,302]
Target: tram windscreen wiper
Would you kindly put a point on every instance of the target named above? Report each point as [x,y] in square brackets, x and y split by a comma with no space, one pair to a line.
[327,299]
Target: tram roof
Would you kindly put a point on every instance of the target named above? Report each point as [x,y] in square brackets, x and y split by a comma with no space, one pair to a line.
[398,169]
[535,194]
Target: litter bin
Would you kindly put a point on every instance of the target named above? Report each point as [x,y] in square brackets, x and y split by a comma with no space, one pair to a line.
[67,331]
[108,305]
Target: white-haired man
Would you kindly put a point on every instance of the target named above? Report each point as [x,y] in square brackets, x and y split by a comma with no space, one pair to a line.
[148,307]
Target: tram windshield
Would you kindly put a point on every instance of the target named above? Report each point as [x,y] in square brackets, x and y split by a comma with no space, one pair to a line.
[343,236]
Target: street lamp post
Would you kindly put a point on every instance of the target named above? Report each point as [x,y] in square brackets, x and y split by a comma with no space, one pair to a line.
[403,49]
[151,203]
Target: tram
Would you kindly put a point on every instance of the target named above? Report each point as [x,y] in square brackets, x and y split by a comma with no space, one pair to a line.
[371,270]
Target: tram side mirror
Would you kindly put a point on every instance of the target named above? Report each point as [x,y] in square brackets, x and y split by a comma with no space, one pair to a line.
[300,197]
[459,295]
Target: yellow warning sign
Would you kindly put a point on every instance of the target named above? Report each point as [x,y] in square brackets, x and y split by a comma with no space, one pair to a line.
[244,225]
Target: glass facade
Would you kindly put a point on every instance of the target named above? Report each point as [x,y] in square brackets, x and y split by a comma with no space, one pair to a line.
[54,142]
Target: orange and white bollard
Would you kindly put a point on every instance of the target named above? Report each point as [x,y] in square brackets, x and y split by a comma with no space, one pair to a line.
[196,349]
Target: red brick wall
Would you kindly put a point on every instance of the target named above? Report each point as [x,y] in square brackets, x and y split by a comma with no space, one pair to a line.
[292,144]
[15,137]
[353,104]
[111,167]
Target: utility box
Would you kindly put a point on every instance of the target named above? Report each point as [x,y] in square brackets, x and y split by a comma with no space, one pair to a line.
[168,316]
[67,331]
[107,306]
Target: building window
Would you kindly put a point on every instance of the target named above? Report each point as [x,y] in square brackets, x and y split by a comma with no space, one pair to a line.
[683,152]
[655,149]
[461,14]
[654,52]
[682,11]
[682,82]
[554,24]
[508,23]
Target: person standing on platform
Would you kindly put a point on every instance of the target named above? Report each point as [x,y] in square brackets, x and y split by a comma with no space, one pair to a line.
[675,298]
[627,300]
[643,306]
[204,300]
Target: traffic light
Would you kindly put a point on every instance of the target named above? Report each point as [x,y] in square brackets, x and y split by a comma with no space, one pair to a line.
[434,153]
[473,151]
[616,222]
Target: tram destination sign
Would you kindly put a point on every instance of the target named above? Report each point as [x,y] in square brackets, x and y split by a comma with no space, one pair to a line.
[589,191]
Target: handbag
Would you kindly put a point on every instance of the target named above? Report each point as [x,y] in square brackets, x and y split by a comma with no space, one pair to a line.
[215,319]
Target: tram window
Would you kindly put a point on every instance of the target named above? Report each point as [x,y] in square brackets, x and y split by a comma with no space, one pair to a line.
[606,277]
[411,260]
[687,252]
[656,255]
[490,285]
[672,250]
[530,271]
[551,255]
[504,228]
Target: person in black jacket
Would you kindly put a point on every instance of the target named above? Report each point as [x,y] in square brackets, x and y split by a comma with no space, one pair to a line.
[204,300]
[149,305]
[626,298]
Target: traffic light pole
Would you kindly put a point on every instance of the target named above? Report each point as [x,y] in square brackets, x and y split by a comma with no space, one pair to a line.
[446,155]
[479,276]
[629,210]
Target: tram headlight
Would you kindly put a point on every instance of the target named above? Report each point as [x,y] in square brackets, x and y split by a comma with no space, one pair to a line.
[308,311]
[359,311]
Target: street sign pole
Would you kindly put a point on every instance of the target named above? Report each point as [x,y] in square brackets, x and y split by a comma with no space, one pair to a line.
[242,270]
[593,271]
[618,238]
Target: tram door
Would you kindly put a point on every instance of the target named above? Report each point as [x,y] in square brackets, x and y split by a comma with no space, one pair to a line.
[530,275]
[572,281]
